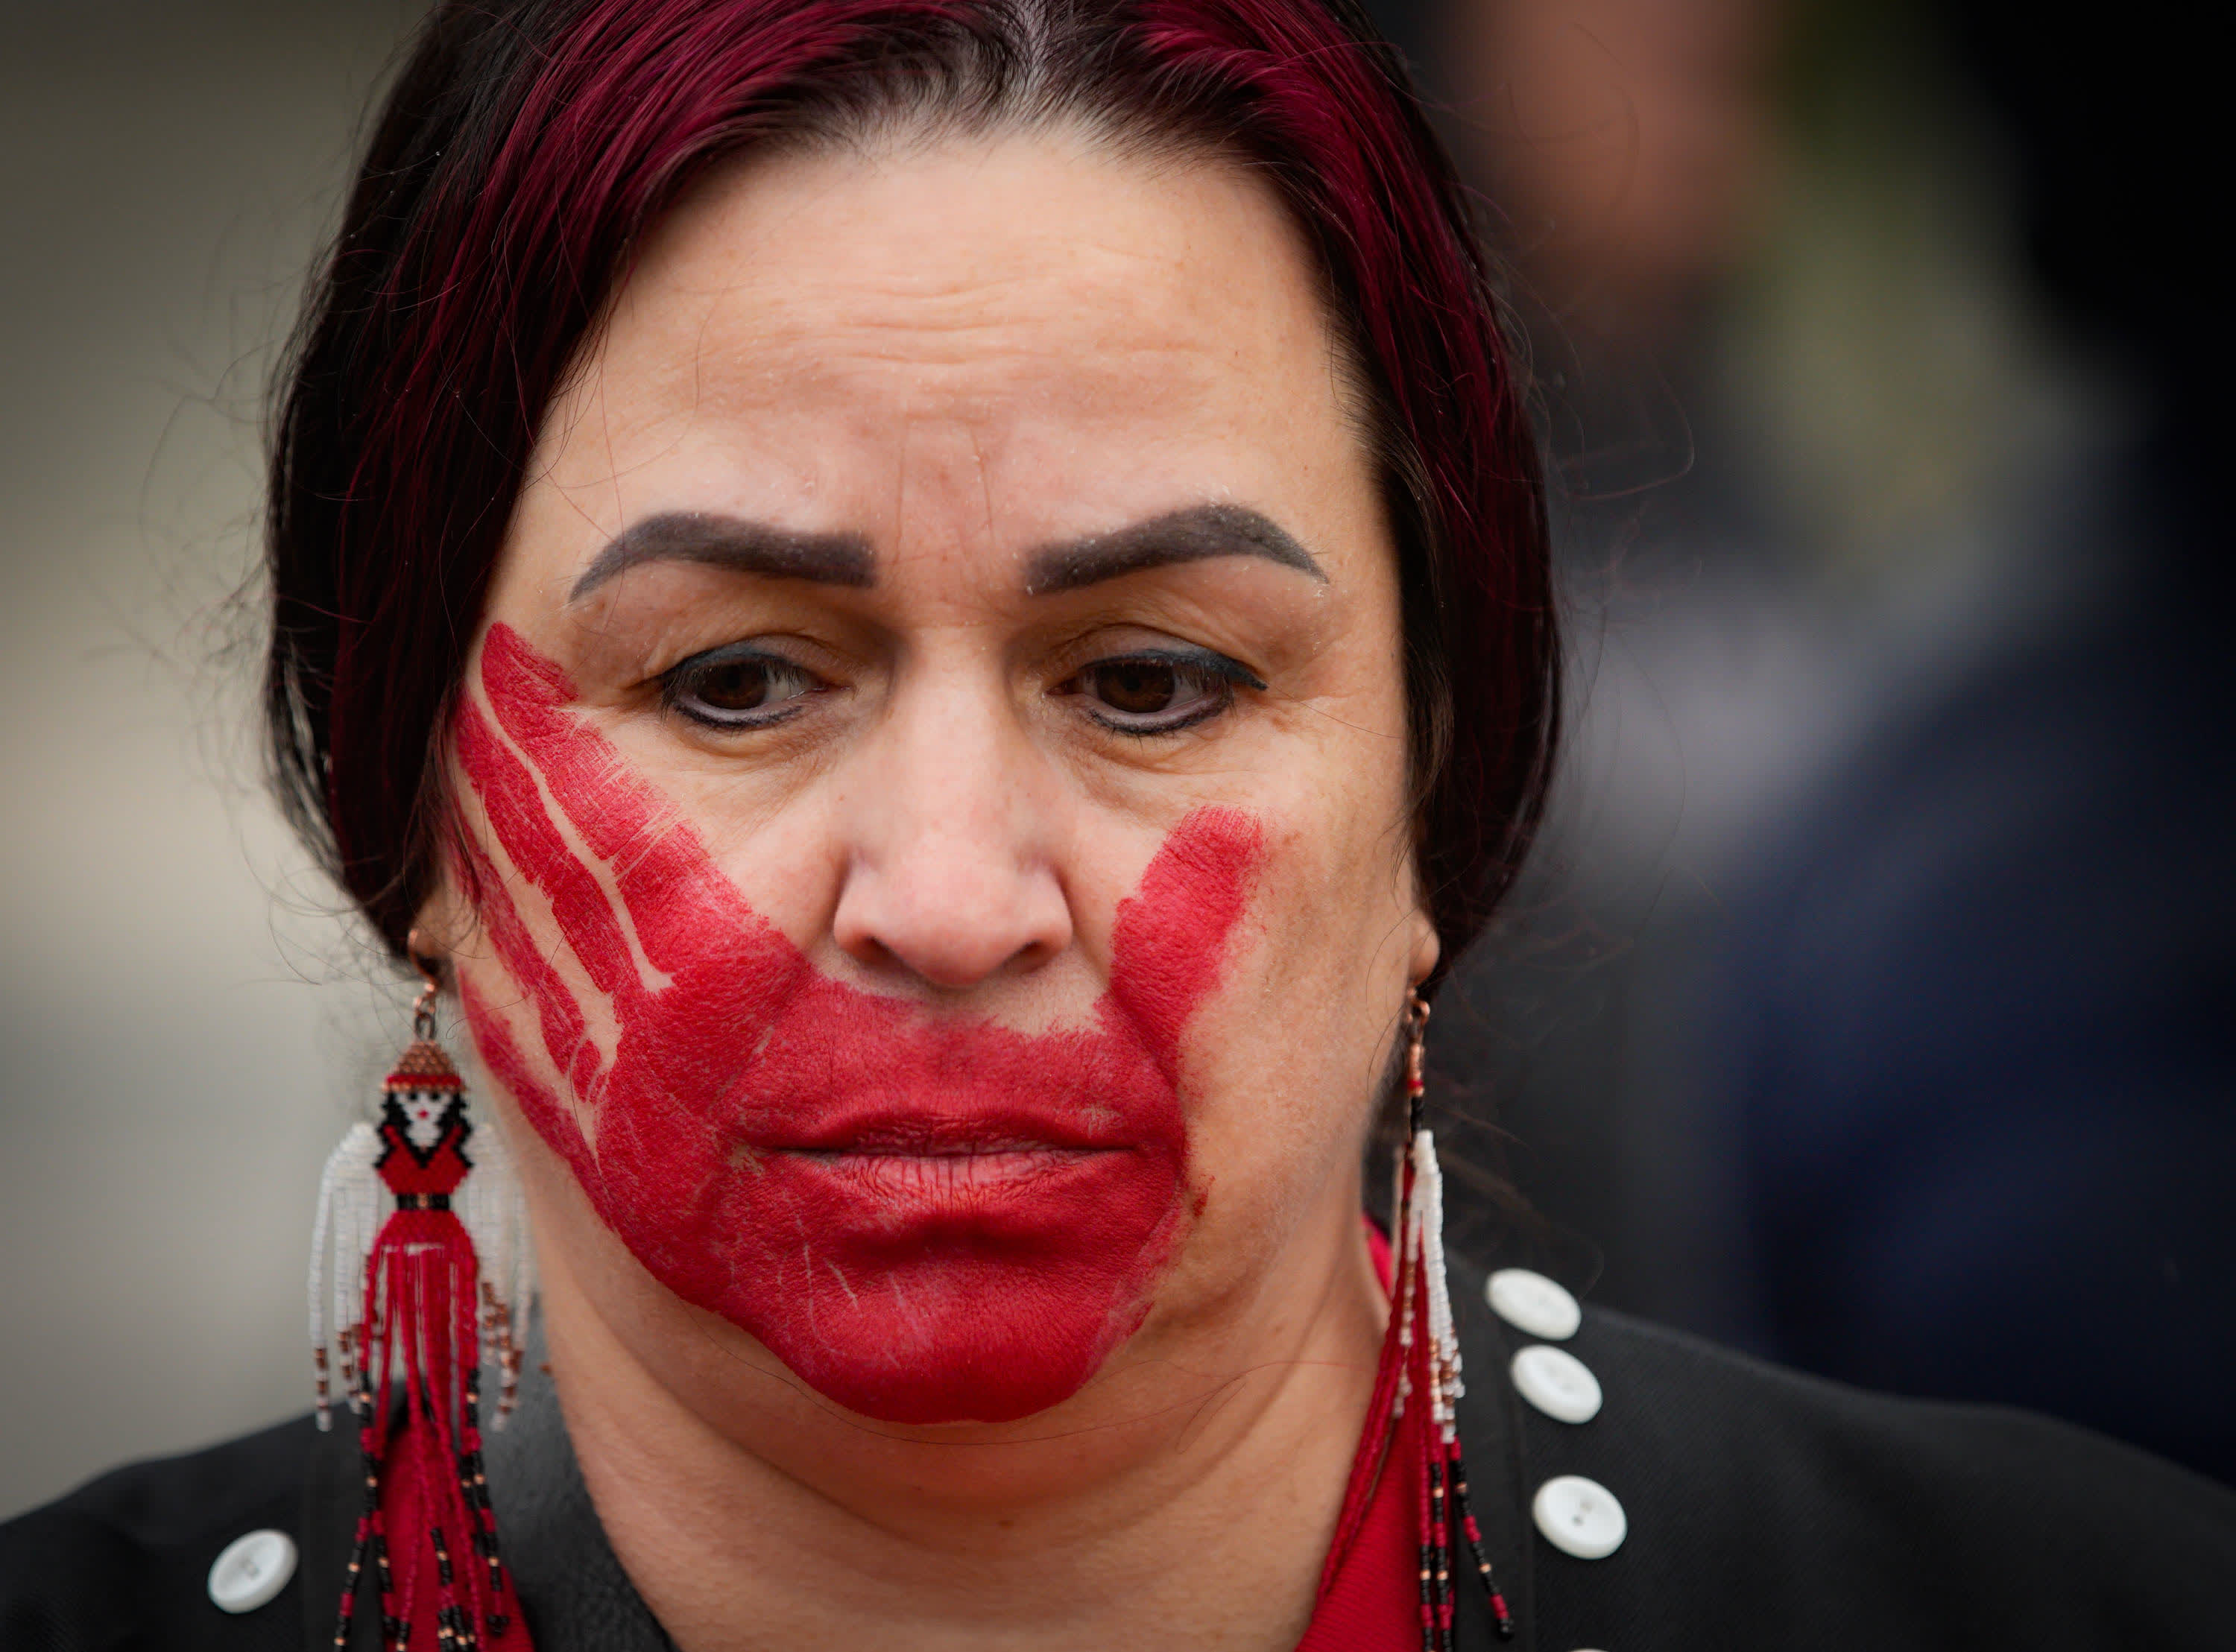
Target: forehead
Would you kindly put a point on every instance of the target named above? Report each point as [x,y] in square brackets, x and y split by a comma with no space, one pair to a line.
[1030,332]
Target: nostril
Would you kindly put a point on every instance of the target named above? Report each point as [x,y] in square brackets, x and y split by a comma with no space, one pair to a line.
[953,933]
[955,961]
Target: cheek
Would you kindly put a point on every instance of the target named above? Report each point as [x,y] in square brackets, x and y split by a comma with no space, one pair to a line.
[1291,1058]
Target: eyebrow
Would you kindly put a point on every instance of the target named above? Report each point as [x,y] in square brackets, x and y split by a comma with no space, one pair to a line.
[1195,535]
[734,543]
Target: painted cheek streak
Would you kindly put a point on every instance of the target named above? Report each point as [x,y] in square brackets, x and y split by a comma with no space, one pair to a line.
[927,1221]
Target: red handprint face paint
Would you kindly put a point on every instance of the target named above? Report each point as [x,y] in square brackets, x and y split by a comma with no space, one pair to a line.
[928,1221]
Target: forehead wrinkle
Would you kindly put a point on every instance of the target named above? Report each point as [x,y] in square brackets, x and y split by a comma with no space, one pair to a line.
[776,348]
[855,386]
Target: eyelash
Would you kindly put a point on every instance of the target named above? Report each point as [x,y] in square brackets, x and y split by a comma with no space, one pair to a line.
[1210,671]
[683,688]
[681,684]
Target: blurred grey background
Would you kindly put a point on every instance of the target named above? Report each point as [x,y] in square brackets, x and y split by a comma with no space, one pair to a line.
[1837,465]
[183,1029]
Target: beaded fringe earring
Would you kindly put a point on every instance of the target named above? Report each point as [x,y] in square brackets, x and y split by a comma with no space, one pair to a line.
[431,1276]
[1425,1369]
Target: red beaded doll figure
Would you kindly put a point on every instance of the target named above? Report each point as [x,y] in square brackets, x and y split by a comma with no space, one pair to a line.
[424,1290]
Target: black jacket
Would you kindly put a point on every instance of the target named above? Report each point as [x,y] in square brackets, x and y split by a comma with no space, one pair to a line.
[1765,1510]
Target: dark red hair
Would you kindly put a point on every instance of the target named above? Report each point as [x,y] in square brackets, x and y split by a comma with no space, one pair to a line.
[528,145]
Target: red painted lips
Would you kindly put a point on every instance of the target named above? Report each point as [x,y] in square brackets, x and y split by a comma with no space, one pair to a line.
[929,1220]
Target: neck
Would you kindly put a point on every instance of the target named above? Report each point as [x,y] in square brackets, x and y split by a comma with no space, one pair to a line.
[1186,1495]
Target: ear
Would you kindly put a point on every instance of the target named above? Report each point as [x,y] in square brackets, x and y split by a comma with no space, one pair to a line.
[445,925]
[1426,948]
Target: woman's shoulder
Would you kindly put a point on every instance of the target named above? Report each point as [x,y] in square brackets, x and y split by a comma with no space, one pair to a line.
[1759,1506]
[126,1561]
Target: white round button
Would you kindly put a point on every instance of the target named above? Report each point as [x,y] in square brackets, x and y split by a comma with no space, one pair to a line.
[1557,1383]
[1579,1516]
[1534,1303]
[251,1571]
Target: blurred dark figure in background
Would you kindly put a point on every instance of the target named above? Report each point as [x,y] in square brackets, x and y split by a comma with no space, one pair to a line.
[1622,148]
[1871,1003]
[1982,1014]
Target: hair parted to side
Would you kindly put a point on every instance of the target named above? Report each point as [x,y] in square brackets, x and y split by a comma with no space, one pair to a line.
[528,146]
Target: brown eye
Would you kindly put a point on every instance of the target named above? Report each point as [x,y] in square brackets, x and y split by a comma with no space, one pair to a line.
[736,687]
[1160,692]
[1137,687]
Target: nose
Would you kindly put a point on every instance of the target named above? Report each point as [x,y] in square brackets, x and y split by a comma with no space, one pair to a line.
[952,823]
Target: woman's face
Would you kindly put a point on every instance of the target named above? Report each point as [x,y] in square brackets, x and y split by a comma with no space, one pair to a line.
[934,778]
